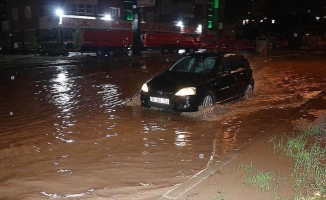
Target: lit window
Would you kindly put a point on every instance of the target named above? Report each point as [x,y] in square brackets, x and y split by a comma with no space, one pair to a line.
[72,9]
[89,10]
[81,9]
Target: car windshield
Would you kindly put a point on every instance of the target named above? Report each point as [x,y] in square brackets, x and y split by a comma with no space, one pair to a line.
[191,64]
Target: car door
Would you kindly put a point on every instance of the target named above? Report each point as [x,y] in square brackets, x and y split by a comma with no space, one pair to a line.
[242,74]
[224,84]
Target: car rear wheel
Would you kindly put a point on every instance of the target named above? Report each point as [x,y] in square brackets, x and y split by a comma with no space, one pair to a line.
[208,100]
[249,91]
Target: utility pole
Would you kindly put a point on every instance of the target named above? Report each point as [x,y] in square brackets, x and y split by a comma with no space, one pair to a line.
[136,47]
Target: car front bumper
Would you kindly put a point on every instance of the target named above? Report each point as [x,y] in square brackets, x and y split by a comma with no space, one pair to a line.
[176,103]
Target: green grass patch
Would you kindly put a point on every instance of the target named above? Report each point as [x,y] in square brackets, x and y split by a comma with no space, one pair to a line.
[218,196]
[309,171]
[257,178]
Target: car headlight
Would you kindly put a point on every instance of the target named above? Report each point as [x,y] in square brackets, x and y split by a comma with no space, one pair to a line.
[144,88]
[186,91]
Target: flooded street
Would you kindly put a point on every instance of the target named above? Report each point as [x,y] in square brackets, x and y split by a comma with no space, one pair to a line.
[79,132]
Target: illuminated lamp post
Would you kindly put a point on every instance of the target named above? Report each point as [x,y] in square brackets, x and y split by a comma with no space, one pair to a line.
[199,29]
[59,13]
[136,47]
[107,17]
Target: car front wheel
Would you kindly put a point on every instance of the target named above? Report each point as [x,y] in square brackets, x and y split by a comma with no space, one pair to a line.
[208,100]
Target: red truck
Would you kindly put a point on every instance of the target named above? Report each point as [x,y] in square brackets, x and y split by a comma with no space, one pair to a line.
[104,37]
[107,42]
[169,38]
[170,42]
[116,37]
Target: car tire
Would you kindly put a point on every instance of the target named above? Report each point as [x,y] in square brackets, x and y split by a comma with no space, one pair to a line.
[208,99]
[249,91]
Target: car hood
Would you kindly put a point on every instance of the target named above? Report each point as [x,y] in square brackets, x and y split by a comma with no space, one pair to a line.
[171,82]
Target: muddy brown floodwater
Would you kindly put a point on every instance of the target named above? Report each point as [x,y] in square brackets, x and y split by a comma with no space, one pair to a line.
[78,131]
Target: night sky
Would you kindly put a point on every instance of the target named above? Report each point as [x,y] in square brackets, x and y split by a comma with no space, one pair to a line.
[290,16]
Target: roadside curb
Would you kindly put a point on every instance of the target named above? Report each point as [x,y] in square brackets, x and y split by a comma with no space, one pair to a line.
[179,191]
[199,177]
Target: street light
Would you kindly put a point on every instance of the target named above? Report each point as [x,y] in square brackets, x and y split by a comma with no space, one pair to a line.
[107,17]
[199,29]
[59,12]
[180,24]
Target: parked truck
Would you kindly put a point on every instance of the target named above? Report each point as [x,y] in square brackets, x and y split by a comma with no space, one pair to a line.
[171,42]
[116,37]
[107,42]
[169,38]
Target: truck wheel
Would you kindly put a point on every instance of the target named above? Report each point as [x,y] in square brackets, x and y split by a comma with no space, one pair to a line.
[165,50]
[176,50]
[111,53]
[118,52]
[191,50]
[99,53]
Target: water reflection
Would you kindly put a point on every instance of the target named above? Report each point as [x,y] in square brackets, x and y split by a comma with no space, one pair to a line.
[151,126]
[62,92]
[181,138]
[110,97]
[229,136]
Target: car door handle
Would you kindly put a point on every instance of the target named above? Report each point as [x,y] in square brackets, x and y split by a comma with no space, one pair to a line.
[241,74]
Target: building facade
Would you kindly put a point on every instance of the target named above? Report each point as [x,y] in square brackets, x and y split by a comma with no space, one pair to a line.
[25,24]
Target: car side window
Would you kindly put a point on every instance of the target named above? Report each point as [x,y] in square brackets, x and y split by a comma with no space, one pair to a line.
[236,63]
[210,62]
[225,65]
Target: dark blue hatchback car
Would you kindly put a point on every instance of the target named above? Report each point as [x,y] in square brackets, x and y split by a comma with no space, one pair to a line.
[199,79]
